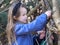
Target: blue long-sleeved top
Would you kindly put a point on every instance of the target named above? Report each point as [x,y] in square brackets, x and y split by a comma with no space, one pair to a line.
[23,31]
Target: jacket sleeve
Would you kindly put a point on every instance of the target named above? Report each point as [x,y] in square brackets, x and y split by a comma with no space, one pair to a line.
[36,25]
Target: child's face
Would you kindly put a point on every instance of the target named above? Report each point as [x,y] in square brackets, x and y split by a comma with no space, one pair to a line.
[23,17]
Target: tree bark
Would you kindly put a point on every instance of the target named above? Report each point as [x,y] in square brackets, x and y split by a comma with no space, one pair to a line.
[56,15]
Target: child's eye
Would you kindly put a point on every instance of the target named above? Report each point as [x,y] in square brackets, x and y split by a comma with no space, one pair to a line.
[23,14]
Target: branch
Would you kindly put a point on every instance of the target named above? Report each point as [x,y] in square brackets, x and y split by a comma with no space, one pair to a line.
[34,9]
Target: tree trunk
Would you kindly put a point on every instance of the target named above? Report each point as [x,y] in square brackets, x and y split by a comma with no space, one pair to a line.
[56,15]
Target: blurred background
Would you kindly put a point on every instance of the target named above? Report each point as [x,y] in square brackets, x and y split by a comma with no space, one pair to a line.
[34,7]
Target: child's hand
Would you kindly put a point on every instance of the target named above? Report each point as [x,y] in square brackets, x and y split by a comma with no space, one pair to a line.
[42,35]
[52,37]
[48,13]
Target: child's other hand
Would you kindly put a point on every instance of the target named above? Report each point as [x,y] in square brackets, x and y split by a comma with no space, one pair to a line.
[42,35]
[52,37]
[48,13]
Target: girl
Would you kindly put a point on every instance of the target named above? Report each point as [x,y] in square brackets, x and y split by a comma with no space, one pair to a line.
[18,31]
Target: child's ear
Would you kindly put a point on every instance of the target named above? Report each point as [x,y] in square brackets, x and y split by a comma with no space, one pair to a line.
[14,17]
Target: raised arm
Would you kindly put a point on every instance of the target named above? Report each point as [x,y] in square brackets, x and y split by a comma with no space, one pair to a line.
[36,25]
